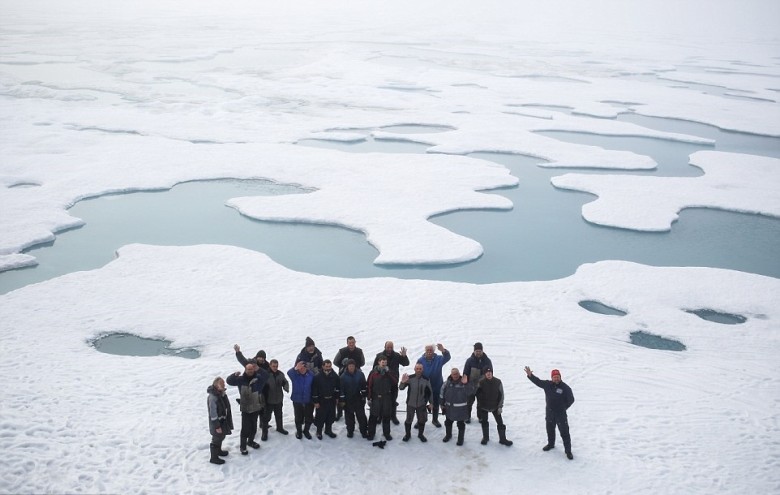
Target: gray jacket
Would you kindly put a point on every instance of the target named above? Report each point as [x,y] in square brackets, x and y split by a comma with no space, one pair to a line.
[454,399]
[277,386]
[419,393]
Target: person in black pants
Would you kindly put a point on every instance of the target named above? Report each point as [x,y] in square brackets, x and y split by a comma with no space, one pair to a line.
[559,398]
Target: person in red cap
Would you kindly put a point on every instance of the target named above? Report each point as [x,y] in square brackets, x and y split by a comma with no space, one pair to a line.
[559,398]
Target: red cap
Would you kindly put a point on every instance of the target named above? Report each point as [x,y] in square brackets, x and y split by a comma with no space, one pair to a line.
[555,372]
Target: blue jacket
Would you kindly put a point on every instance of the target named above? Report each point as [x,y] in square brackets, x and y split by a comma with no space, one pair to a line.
[432,370]
[353,387]
[301,386]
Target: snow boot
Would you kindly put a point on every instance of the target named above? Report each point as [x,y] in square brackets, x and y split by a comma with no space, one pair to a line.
[486,433]
[548,447]
[319,433]
[435,421]
[264,434]
[220,452]
[420,433]
[461,434]
[502,436]
[243,446]
[570,456]
[215,455]
[329,432]
[447,432]
[408,429]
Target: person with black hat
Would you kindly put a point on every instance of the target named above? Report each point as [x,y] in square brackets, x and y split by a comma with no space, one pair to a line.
[259,358]
[490,399]
[558,398]
[311,356]
[353,398]
[477,362]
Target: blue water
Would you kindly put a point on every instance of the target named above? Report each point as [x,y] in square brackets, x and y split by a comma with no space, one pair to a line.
[544,237]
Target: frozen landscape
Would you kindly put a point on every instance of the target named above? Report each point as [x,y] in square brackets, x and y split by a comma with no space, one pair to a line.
[389,121]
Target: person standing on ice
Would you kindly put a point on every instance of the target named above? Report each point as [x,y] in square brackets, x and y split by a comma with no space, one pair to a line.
[490,399]
[394,361]
[432,365]
[325,392]
[277,386]
[477,362]
[382,391]
[220,419]
[250,387]
[454,404]
[559,398]
[353,352]
[353,398]
[259,358]
[417,399]
[311,356]
[302,378]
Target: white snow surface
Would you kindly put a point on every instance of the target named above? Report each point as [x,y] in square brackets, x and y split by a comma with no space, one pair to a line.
[704,420]
[731,181]
[97,94]
[99,97]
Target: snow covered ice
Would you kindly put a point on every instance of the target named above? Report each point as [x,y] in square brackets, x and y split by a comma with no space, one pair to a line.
[112,97]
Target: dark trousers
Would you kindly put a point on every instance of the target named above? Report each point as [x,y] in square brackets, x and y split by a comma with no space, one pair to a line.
[374,420]
[275,410]
[421,413]
[470,404]
[216,439]
[303,415]
[355,411]
[326,414]
[248,428]
[563,428]
[483,415]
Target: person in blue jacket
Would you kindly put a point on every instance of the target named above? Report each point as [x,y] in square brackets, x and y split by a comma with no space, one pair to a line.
[432,369]
[301,378]
[558,398]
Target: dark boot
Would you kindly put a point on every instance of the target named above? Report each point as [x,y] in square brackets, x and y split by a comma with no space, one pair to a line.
[298,432]
[329,432]
[502,436]
[420,433]
[435,421]
[215,455]
[461,433]
[306,433]
[220,452]
[243,446]
[264,435]
[408,428]
[447,432]
[319,432]
[485,433]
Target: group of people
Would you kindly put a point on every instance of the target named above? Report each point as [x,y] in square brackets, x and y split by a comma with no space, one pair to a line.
[321,396]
